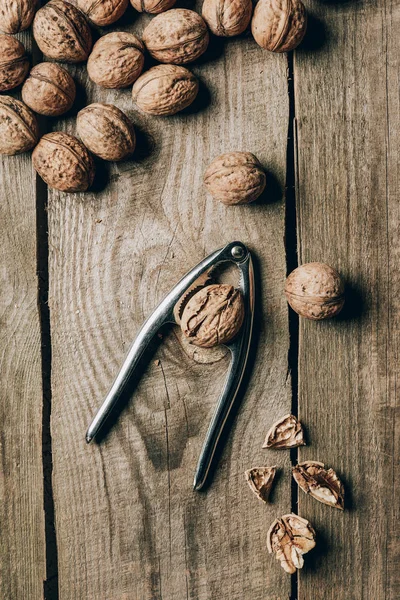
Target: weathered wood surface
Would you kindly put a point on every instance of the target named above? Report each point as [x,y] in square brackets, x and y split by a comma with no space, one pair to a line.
[347,109]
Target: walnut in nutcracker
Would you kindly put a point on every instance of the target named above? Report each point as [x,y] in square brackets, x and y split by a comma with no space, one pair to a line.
[116,60]
[63,162]
[106,131]
[178,36]
[235,178]
[152,6]
[103,12]
[19,129]
[14,64]
[49,90]
[17,15]
[227,18]
[61,31]
[279,25]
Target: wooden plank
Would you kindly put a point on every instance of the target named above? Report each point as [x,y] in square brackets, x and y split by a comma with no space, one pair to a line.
[128,523]
[22,546]
[347,109]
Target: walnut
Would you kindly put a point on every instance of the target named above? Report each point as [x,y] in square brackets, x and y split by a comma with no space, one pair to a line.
[227,18]
[315,291]
[260,480]
[289,538]
[152,6]
[62,32]
[14,64]
[63,162]
[285,433]
[19,130]
[235,178]
[165,90]
[279,25]
[103,12]
[178,36]
[116,60]
[49,90]
[213,316]
[17,15]
[106,131]
[323,485]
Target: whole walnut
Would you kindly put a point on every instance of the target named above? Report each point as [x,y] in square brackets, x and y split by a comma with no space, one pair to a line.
[49,90]
[63,162]
[116,60]
[62,32]
[235,178]
[227,18]
[178,36]
[106,131]
[315,291]
[19,129]
[165,90]
[14,64]
[152,6]
[213,316]
[279,25]
[17,15]
[103,12]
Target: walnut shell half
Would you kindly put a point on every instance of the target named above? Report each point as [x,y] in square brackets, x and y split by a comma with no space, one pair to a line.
[322,484]
[178,36]
[14,64]
[17,15]
[165,90]
[19,129]
[49,90]
[285,433]
[213,316]
[106,131]
[103,12]
[279,25]
[260,480]
[116,60]
[63,162]
[289,538]
[152,6]
[227,18]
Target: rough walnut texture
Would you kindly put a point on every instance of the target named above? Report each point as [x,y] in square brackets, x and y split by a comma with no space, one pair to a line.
[14,64]
[285,433]
[165,90]
[19,130]
[235,178]
[106,131]
[178,36]
[227,18]
[62,32]
[260,480]
[63,162]
[152,6]
[315,291]
[279,25]
[116,60]
[49,90]
[289,538]
[213,316]
[16,15]
[103,12]
[323,485]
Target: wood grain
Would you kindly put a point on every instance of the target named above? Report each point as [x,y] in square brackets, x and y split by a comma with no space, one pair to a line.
[128,523]
[347,109]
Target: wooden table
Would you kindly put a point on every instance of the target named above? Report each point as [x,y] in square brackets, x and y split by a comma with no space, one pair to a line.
[118,520]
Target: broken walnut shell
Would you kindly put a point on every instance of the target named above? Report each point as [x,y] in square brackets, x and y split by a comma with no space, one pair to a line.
[116,60]
[49,90]
[14,63]
[106,131]
[19,129]
[62,32]
[235,178]
[17,15]
[214,315]
[227,18]
[315,291]
[260,480]
[287,432]
[289,538]
[63,162]
[152,6]
[279,25]
[323,485]
[103,12]
[178,36]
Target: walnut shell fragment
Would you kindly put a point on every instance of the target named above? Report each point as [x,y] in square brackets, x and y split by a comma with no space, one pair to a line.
[323,485]
[19,130]
[49,90]
[285,433]
[279,25]
[103,12]
[213,316]
[227,18]
[16,15]
[116,60]
[260,480]
[289,538]
[14,63]
[152,6]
